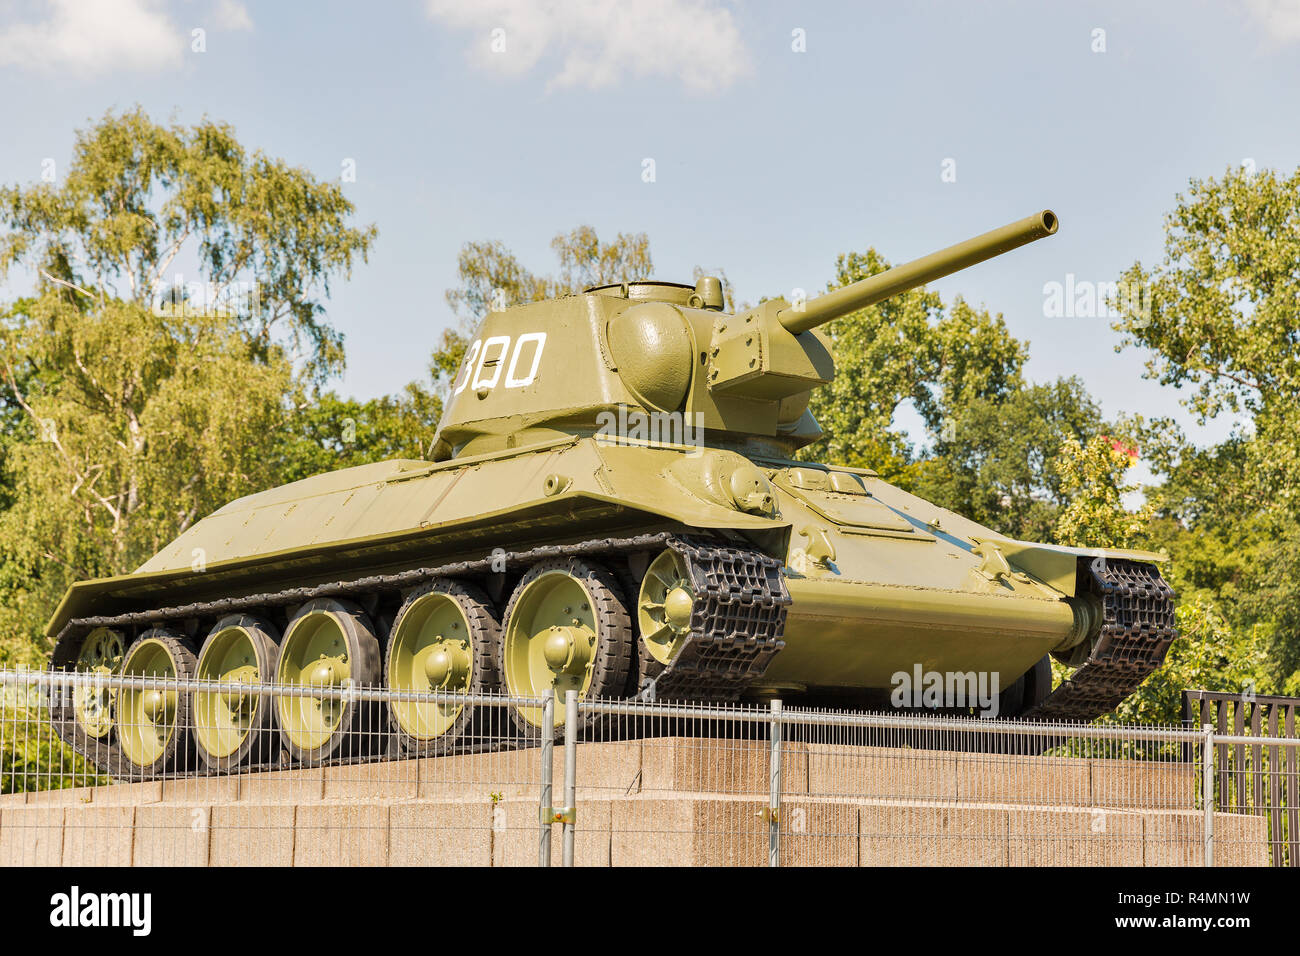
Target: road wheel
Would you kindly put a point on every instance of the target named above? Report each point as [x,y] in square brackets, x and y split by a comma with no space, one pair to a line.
[445,638]
[154,726]
[664,605]
[566,628]
[329,644]
[231,728]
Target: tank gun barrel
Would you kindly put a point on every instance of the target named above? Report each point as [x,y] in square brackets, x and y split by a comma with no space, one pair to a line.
[865,292]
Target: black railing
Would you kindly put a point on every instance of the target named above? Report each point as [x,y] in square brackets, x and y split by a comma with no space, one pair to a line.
[1255,778]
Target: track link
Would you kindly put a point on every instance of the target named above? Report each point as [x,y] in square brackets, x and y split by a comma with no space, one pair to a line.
[736,624]
[401,580]
[1136,631]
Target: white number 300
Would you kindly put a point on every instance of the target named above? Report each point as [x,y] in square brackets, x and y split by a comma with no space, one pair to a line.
[486,360]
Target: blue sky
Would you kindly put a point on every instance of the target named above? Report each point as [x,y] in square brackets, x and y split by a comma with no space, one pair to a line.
[768,161]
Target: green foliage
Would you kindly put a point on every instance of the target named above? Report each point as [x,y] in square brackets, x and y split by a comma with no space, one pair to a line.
[1218,313]
[328,432]
[586,261]
[136,426]
[884,356]
[1092,477]
[995,459]
[446,358]
[492,279]
[910,349]
[975,359]
[996,439]
[139,197]
[135,406]
[1217,317]
[324,432]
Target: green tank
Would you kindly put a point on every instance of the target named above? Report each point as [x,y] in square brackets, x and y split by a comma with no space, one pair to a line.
[612,506]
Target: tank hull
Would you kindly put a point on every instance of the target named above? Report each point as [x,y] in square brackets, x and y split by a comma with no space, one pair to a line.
[903,586]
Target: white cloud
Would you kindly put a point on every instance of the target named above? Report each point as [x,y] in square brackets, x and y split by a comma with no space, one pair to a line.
[232,15]
[596,43]
[1280,18]
[93,37]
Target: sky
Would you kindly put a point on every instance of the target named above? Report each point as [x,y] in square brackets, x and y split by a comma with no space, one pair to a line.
[779,135]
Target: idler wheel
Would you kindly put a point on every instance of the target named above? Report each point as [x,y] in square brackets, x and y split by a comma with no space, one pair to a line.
[233,726]
[445,639]
[328,645]
[154,725]
[566,628]
[664,606]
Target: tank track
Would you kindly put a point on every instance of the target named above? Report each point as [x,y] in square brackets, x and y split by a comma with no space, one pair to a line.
[738,620]
[358,586]
[1136,631]
[736,623]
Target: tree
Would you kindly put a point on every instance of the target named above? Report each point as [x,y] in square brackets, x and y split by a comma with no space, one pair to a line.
[975,359]
[1232,546]
[328,432]
[492,279]
[1092,476]
[1217,317]
[585,261]
[994,460]
[1218,313]
[135,426]
[1210,654]
[325,432]
[137,406]
[139,198]
[883,358]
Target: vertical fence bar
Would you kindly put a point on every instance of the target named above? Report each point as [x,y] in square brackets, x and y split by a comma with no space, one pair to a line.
[774,789]
[1207,792]
[1225,781]
[1271,755]
[1292,794]
[570,771]
[546,814]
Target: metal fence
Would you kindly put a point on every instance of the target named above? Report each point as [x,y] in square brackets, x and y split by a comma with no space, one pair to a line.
[1259,777]
[110,771]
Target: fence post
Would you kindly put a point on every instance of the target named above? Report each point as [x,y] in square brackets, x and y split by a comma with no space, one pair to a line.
[545,812]
[774,789]
[570,771]
[1207,792]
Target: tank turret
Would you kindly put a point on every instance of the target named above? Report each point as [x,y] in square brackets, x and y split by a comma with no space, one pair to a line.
[742,380]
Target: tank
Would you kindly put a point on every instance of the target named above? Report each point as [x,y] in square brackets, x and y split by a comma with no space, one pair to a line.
[613,507]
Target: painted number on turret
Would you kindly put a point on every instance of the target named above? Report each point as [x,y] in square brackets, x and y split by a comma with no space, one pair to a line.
[485,362]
